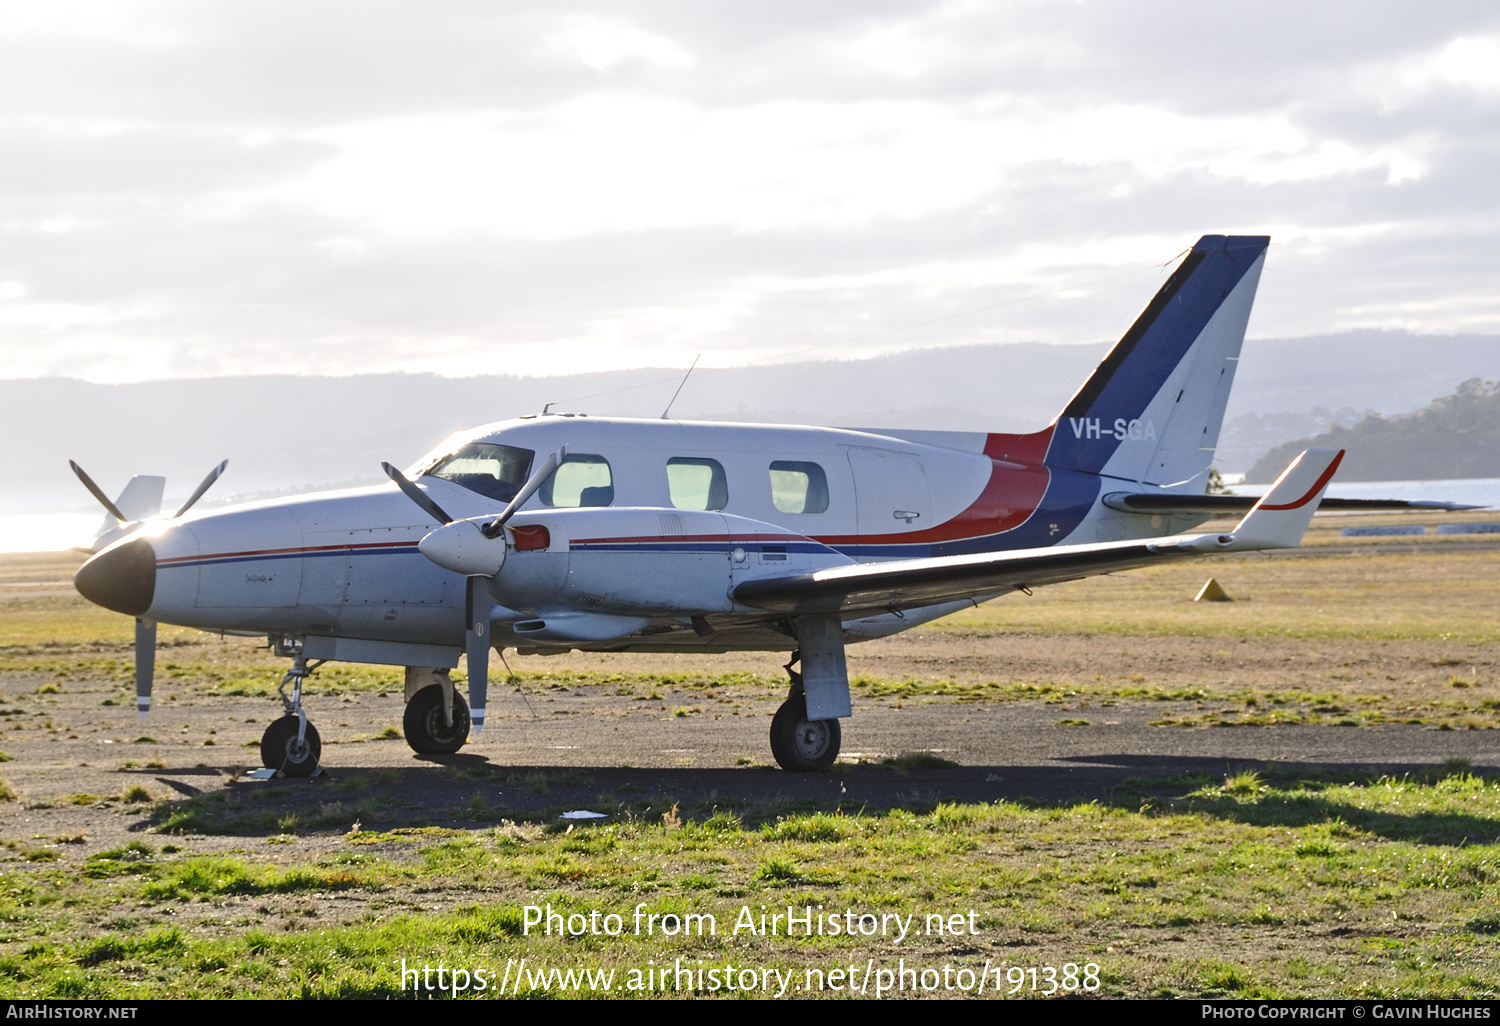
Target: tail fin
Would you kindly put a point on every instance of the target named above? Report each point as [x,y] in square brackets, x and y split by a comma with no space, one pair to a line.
[1280,518]
[142,496]
[1151,412]
[140,499]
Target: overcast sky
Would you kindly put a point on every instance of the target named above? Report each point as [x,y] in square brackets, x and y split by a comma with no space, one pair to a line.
[194,189]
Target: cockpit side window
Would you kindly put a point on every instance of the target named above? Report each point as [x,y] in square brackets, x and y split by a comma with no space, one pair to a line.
[582,479]
[798,487]
[496,471]
[697,483]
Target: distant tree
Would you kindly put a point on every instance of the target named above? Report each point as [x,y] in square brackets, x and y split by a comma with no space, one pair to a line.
[1216,485]
[1455,436]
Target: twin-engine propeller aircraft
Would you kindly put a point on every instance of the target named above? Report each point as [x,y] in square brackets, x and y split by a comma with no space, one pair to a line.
[556,532]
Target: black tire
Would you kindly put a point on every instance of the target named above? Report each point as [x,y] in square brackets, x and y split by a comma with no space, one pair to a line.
[800,744]
[426,731]
[279,749]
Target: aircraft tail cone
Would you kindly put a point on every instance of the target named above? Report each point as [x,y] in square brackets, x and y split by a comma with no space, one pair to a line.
[1213,592]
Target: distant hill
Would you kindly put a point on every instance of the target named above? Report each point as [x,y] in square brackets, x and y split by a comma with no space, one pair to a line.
[1299,387]
[1455,436]
[295,433]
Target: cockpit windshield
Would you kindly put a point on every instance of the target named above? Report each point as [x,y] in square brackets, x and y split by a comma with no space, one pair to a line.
[497,471]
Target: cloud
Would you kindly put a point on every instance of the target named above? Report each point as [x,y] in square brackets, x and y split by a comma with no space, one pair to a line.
[603,43]
[200,189]
[630,164]
[1467,63]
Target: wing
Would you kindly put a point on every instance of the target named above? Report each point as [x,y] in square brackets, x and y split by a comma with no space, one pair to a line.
[911,583]
[1278,520]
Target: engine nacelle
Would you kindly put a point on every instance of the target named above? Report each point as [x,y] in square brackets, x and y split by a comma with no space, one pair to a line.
[628,562]
[571,626]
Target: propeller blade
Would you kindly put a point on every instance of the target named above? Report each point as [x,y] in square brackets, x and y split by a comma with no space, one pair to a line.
[477,642]
[416,494]
[213,475]
[535,481]
[88,483]
[145,663]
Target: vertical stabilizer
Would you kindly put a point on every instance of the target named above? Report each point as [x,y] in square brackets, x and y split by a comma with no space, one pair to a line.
[1150,414]
[140,499]
[142,496]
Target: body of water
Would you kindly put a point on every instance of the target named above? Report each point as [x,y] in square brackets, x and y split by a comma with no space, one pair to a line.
[47,532]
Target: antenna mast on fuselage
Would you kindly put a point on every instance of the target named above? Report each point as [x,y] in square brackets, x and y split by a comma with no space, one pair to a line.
[679,387]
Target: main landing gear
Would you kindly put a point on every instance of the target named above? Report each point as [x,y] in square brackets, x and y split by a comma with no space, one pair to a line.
[800,744]
[291,744]
[437,717]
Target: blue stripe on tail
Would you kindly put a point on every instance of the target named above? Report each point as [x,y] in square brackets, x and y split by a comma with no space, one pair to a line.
[1090,428]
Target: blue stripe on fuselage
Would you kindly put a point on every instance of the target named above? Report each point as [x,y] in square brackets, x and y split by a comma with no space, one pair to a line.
[258,557]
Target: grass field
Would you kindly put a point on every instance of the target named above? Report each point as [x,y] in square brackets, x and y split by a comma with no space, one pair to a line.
[1295,880]
[1256,886]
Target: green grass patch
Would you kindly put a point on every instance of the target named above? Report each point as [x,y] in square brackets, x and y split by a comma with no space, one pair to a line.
[1302,882]
[209,877]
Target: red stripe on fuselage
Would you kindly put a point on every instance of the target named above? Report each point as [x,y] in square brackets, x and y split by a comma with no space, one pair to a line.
[1018,480]
[1030,448]
[726,538]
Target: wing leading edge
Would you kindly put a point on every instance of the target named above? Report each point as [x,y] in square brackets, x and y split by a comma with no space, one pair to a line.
[1278,520]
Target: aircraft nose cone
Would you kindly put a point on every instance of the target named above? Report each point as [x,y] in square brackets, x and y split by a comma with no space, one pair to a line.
[122,577]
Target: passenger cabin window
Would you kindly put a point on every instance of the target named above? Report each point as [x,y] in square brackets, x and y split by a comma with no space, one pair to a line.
[697,484]
[582,479]
[497,471]
[798,487]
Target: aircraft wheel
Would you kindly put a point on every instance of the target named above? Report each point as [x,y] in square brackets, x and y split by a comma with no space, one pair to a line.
[800,744]
[426,732]
[280,750]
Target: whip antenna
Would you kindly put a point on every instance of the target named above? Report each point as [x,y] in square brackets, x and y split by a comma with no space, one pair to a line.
[679,387]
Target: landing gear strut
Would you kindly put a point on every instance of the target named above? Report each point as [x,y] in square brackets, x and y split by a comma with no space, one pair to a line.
[291,744]
[800,744]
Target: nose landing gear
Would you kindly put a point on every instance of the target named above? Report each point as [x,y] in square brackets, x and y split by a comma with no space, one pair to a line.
[291,745]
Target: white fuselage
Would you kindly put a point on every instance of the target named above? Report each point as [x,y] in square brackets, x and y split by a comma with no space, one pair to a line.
[632,574]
